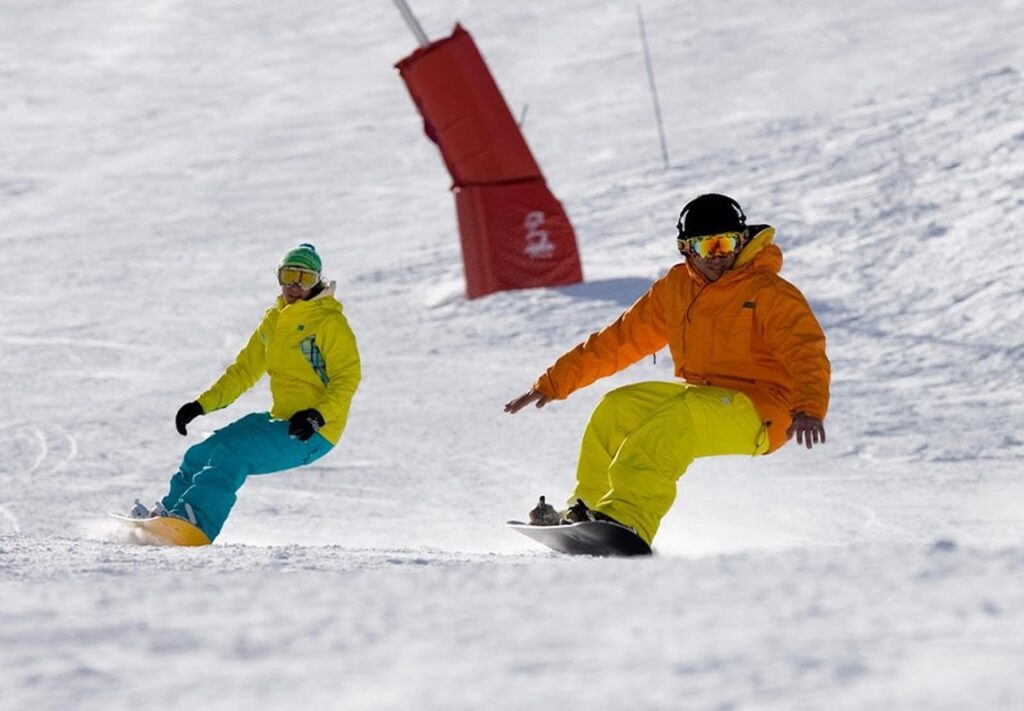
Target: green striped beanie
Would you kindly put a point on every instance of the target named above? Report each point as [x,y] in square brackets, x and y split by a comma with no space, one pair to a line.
[304,256]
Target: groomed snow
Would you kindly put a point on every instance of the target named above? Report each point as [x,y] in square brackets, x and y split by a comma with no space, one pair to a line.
[157,158]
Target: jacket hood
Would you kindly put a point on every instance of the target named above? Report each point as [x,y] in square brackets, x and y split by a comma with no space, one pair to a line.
[760,250]
[325,299]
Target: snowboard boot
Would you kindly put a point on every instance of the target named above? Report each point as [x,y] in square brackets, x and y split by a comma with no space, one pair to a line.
[544,514]
[581,512]
[158,510]
[140,510]
[188,515]
[577,512]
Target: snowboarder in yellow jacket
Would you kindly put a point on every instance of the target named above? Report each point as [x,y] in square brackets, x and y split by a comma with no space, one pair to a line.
[306,346]
[744,341]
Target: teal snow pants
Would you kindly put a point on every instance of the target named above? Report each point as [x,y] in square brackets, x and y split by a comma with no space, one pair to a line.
[213,470]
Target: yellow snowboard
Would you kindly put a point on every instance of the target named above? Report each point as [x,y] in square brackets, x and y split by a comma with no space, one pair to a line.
[164,531]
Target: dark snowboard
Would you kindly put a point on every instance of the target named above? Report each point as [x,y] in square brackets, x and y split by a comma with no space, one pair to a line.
[601,538]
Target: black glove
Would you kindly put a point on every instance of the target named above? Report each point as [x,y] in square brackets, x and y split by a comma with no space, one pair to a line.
[188,412]
[304,424]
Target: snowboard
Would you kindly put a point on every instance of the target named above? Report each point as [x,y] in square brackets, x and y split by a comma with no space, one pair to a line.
[598,538]
[163,531]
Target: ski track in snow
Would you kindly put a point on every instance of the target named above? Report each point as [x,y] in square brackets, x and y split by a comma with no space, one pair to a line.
[156,158]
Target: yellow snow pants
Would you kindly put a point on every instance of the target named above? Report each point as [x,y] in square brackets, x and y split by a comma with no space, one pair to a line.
[642,437]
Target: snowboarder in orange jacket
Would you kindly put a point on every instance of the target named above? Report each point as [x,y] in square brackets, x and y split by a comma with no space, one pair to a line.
[744,341]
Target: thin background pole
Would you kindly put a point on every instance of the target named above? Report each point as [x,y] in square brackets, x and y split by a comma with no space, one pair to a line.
[650,80]
[412,23]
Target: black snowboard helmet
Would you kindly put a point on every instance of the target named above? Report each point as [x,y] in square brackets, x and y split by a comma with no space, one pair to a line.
[710,214]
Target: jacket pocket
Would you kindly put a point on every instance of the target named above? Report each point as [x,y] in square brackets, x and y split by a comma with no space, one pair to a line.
[733,335]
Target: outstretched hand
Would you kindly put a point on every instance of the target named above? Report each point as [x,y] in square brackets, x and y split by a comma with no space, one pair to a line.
[186,413]
[514,406]
[808,430]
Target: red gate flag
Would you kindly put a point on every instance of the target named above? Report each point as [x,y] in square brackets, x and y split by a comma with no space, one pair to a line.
[514,232]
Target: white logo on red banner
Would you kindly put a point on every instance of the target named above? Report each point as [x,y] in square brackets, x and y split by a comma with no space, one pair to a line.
[538,242]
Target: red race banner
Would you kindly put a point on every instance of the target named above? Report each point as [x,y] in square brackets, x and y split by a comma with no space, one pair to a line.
[514,232]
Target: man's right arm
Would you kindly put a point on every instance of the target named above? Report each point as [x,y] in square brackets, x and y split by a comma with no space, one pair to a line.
[249,366]
[640,331]
[798,342]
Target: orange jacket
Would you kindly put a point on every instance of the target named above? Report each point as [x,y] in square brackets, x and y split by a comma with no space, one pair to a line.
[751,331]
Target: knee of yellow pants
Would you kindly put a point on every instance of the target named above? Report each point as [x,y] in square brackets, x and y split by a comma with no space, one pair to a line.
[650,460]
[725,422]
[618,413]
[697,422]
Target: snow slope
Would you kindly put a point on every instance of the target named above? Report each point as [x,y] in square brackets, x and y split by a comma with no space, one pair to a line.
[157,157]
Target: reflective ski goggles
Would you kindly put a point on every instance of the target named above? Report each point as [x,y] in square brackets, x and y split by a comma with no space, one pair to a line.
[286,276]
[720,245]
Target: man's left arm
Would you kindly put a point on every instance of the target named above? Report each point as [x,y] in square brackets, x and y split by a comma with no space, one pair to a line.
[341,359]
[798,342]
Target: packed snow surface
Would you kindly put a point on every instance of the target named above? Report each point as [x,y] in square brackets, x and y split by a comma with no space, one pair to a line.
[157,158]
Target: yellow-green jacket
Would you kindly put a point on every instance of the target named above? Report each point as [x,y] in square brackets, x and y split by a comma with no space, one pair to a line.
[311,355]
